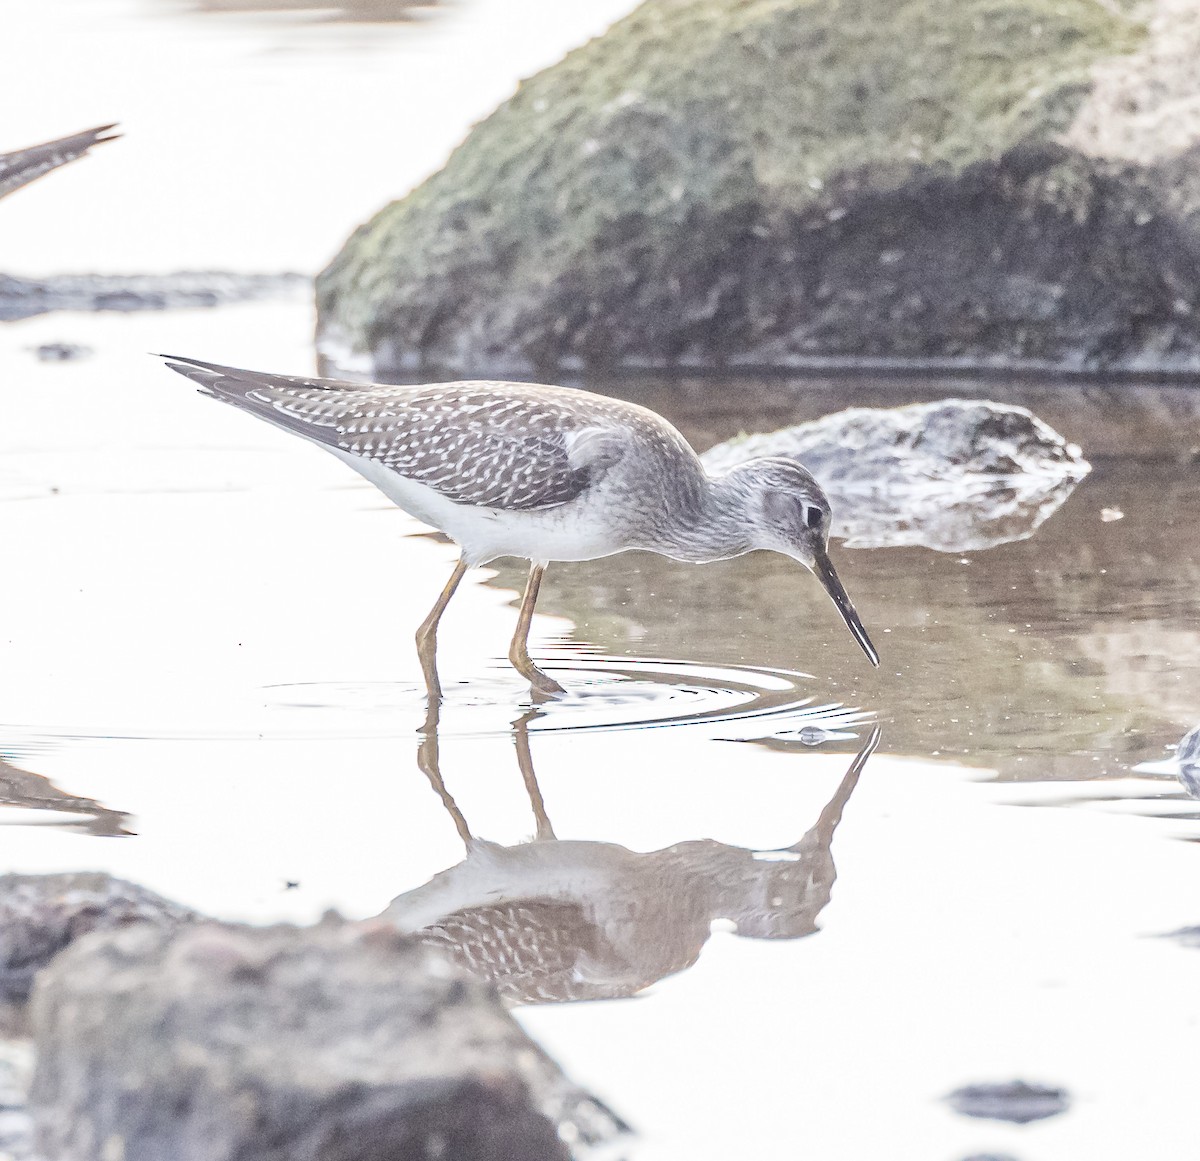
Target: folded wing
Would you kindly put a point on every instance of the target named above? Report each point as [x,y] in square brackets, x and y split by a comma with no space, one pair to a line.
[511,446]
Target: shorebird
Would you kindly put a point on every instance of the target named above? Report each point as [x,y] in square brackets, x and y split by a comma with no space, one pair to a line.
[542,473]
[1184,764]
[25,165]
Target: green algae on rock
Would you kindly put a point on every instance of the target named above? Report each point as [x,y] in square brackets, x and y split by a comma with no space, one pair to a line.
[777,182]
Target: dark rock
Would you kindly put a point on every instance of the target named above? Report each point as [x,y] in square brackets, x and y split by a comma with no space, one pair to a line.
[61,352]
[1013,1100]
[25,165]
[955,475]
[335,1043]
[718,183]
[23,298]
[40,915]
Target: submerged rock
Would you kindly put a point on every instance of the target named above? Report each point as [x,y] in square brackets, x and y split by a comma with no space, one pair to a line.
[1014,1100]
[23,298]
[782,182]
[41,915]
[956,475]
[61,352]
[339,1042]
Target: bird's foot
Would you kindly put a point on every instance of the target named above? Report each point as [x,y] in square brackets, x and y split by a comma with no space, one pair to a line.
[543,686]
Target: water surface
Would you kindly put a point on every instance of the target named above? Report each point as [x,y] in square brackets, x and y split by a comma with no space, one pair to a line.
[208,683]
[207,631]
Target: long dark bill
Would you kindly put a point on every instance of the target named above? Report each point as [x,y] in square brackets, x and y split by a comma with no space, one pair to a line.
[827,575]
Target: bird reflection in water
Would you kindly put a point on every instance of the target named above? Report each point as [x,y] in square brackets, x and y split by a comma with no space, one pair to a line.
[552,920]
[29,791]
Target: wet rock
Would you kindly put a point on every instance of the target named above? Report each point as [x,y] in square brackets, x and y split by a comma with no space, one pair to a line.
[1184,764]
[61,352]
[955,475]
[338,1042]
[23,298]
[25,165]
[717,183]
[1013,1100]
[40,915]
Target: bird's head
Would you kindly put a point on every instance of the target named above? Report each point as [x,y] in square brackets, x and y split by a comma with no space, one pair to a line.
[787,512]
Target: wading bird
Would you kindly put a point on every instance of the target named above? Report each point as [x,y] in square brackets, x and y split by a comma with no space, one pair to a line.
[25,165]
[542,473]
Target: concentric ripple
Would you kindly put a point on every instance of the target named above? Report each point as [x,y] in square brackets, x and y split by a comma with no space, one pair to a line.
[603,693]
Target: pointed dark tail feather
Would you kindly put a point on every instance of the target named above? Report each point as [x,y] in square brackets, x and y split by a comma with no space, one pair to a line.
[257,392]
[204,375]
[25,165]
[232,382]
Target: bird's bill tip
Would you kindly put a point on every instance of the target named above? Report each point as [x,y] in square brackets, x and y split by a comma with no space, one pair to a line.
[827,575]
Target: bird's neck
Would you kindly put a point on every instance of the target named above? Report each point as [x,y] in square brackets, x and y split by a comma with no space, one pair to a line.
[713,525]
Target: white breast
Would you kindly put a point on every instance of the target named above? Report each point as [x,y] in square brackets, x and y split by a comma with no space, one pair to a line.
[575,531]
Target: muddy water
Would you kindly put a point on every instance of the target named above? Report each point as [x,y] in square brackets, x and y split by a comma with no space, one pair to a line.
[207,637]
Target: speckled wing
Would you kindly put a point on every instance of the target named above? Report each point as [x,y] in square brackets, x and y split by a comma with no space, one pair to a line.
[26,165]
[500,445]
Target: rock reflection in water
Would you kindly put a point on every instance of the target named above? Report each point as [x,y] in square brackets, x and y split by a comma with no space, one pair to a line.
[955,475]
[33,792]
[554,920]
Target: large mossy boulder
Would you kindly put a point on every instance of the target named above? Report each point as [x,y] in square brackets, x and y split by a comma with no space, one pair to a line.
[776,182]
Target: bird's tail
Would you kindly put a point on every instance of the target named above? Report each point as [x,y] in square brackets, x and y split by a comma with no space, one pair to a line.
[26,165]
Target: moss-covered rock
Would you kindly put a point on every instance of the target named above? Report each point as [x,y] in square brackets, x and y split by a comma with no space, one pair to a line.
[765,182]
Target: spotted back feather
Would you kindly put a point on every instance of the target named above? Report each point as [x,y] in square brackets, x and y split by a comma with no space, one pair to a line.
[512,446]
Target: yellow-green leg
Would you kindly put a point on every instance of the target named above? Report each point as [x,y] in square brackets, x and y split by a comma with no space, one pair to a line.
[518,652]
[427,633]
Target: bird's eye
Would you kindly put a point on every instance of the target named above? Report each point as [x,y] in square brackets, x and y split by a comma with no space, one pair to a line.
[812,516]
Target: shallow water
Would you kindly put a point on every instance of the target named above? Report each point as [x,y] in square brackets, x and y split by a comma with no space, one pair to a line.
[209,685]
[207,630]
